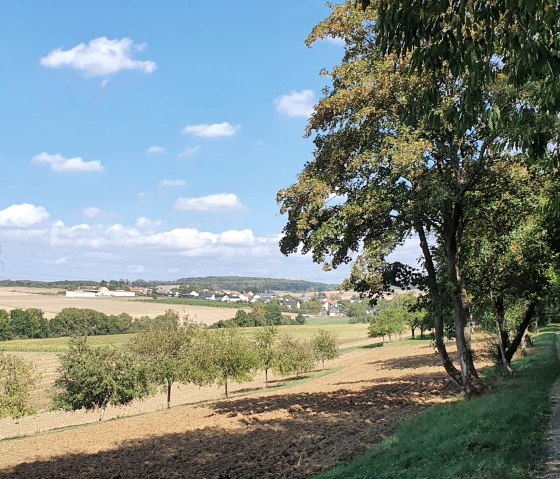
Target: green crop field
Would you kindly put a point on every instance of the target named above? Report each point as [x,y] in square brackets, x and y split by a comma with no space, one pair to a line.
[347,333]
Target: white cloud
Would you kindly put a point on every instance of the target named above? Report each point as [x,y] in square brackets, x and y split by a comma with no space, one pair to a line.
[60,164]
[172,183]
[23,216]
[296,103]
[155,150]
[189,152]
[146,223]
[100,57]
[91,212]
[214,130]
[220,201]
[53,250]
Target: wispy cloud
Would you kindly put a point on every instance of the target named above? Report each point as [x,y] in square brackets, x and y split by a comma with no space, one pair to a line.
[24,215]
[155,150]
[59,163]
[189,152]
[91,212]
[296,103]
[172,183]
[101,57]
[215,130]
[218,202]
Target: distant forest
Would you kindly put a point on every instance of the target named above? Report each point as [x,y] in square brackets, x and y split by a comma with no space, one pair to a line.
[238,283]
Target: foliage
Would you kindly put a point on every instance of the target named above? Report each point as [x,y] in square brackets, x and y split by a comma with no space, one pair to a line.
[164,352]
[230,356]
[474,42]
[6,329]
[293,355]
[325,346]
[93,378]
[265,339]
[385,170]
[17,378]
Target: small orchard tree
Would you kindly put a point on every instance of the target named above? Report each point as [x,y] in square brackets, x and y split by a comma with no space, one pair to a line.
[162,350]
[17,378]
[232,357]
[293,356]
[265,338]
[93,378]
[325,346]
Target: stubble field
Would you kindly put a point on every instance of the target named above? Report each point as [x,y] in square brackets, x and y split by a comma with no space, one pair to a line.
[51,304]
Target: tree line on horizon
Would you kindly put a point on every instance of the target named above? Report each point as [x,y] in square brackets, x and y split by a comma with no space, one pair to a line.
[214,283]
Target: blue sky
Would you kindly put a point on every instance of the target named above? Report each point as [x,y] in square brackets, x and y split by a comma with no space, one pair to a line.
[148,140]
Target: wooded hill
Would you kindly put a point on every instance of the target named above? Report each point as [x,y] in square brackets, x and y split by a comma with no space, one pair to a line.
[241,283]
[238,283]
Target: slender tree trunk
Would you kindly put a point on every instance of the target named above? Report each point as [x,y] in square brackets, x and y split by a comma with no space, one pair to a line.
[225,384]
[412,330]
[446,361]
[527,318]
[500,314]
[469,376]
[169,384]
[266,377]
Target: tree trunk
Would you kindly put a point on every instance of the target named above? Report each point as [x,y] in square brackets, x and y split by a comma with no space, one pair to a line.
[446,361]
[470,382]
[412,330]
[169,384]
[527,318]
[225,384]
[266,377]
[500,313]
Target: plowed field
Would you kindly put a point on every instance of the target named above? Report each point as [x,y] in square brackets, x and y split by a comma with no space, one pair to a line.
[286,432]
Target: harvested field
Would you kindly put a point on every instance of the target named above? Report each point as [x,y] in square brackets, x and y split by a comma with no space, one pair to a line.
[51,304]
[291,432]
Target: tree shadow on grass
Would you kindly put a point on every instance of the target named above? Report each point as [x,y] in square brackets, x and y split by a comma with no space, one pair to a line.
[281,436]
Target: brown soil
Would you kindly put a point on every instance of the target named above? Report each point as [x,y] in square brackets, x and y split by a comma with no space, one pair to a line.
[291,432]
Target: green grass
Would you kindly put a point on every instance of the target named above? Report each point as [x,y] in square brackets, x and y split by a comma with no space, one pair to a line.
[61,344]
[196,302]
[497,435]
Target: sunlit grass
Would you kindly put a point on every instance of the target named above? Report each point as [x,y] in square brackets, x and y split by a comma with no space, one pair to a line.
[497,435]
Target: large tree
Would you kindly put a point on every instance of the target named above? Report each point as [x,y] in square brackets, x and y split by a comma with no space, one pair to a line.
[385,170]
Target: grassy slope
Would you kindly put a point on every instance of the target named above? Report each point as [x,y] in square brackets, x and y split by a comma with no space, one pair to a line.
[498,435]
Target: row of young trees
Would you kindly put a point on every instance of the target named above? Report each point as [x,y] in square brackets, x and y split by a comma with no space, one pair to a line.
[165,354]
[457,152]
[394,317]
